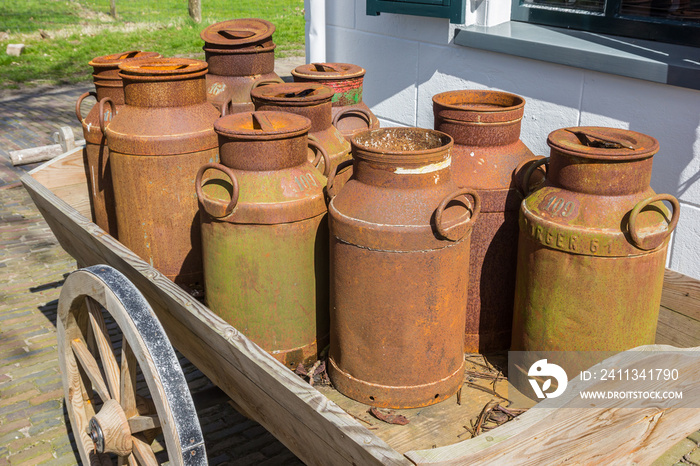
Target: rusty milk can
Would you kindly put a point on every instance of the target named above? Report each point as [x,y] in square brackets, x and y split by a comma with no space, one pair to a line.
[265,235]
[158,141]
[592,246]
[400,230]
[350,114]
[485,126]
[312,101]
[241,56]
[96,153]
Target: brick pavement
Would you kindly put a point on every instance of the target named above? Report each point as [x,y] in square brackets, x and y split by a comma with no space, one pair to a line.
[34,426]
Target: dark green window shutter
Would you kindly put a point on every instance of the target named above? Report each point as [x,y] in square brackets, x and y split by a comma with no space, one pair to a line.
[452,9]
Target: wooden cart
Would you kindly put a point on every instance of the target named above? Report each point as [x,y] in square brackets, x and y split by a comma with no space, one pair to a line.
[301,416]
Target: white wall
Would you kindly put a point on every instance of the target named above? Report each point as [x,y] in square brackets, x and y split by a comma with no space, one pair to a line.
[409,59]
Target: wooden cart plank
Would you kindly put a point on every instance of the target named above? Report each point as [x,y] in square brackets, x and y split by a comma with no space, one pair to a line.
[65,176]
[682,294]
[611,434]
[677,329]
[314,428]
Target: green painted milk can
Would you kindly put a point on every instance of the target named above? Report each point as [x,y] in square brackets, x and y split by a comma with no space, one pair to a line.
[592,246]
[265,234]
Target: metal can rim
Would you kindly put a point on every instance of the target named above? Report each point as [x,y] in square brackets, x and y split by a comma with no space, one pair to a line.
[349,71]
[361,150]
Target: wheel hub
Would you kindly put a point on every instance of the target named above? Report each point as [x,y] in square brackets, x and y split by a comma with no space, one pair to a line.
[96,435]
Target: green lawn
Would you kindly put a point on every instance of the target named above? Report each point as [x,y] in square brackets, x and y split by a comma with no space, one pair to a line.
[79,30]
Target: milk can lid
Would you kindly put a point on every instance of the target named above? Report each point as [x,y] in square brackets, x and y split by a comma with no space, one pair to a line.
[113,60]
[319,71]
[262,125]
[297,93]
[238,32]
[603,143]
[162,68]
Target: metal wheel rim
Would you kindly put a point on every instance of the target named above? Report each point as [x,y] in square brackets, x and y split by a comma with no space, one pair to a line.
[144,336]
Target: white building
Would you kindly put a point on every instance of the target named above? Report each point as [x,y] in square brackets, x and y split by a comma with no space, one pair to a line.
[567,78]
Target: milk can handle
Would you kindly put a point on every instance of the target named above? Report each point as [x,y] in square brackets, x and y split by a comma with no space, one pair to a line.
[101,115]
[654,241]
[321,66]
[225,106]
[332,175]
[238,33]
[216,207]
[265,82]
[525,188]
[321,154]
[350,111]
[475,208]
[80,101]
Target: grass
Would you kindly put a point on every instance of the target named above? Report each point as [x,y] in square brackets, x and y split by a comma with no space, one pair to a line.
[62,36]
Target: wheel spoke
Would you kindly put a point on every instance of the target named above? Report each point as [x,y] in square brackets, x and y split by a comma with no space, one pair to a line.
[145,406]
[90,339]
[143,452]
[109,363]
[128,380]
[140,423]
[130,460]
[89,365]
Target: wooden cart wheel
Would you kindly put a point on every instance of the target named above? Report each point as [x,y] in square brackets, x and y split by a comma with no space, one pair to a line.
[108,417]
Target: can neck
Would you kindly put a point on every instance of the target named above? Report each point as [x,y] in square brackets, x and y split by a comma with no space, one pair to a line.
[476,134]
[165,93]
[250,154]
[346,91]
[402,157]
[479,118]
[114,92]
[241,63]
[403,175]
[108,83]
[320,115]
[599,177]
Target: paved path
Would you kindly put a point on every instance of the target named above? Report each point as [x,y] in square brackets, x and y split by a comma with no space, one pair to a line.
[34,426]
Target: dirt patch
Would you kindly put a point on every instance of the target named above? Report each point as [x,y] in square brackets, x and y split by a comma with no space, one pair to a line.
[86,13]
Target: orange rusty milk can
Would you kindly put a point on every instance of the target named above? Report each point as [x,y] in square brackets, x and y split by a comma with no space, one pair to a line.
[158,141]
[108,83]
[400,230]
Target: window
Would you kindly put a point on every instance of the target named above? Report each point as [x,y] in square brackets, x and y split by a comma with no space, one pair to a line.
[674,21]
[452,9]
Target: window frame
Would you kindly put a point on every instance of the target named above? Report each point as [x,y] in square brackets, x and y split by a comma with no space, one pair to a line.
[610,22]
[455,10]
